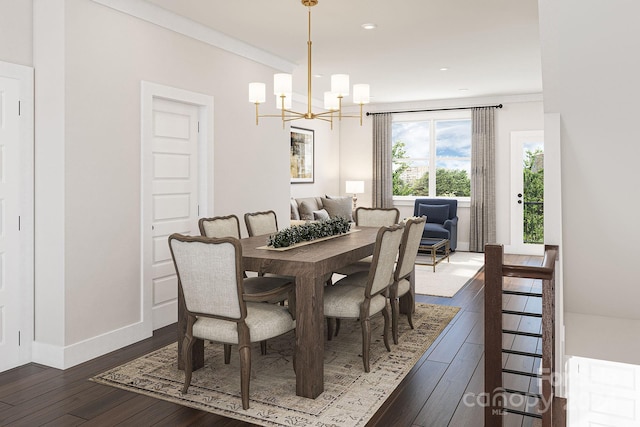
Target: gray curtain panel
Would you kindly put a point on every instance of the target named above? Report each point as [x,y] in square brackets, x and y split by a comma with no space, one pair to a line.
[483,179]
[382,164]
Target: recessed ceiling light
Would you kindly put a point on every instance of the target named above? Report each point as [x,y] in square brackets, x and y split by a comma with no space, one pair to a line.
[444,69]
[464,89]
[369,26]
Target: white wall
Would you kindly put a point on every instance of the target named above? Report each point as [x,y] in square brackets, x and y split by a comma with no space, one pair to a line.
[590,79]
[16,31]
[519,113]
[90,60]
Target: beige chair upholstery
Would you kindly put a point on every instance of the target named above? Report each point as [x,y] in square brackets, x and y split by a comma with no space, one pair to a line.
[259,223]
[363,294]
[370,217]
[210,278]
[220,226]
[401,286]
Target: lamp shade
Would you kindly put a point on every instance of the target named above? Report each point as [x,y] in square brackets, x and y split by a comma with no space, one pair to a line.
[361,93]
[354,187]
[257,92]
[282,84]
[331,101]
[340,84]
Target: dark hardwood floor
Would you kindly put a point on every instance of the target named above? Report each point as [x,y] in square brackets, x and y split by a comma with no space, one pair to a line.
[441,389]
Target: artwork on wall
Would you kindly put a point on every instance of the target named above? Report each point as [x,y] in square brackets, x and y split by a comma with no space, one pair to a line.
[301,155]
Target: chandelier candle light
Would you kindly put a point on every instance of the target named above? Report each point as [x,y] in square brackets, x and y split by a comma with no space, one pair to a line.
[283,90]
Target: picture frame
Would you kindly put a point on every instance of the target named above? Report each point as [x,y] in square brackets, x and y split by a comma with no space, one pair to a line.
[302,155]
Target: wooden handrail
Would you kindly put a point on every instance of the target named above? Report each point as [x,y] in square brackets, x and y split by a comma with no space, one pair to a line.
[495,271]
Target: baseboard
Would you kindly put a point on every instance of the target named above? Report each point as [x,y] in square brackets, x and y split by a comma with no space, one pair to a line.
[64,357]
[165,314]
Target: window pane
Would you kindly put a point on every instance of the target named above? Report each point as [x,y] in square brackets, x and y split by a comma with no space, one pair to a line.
[410,154]
[453,158]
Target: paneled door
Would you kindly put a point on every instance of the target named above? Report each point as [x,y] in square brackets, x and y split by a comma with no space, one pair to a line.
[10,300]
[174,198]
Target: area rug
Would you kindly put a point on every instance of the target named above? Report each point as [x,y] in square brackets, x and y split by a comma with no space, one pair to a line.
[350,395]
[449,277]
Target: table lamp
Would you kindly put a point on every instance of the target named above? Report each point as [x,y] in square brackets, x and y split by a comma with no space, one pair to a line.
[354,187]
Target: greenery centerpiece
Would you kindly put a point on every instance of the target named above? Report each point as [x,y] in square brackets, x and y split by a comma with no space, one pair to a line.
[309,231]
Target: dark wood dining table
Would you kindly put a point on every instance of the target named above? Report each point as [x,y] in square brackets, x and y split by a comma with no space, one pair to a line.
[312,265]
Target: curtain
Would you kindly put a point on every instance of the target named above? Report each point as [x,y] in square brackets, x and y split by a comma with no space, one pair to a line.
[382,164]
[483,179]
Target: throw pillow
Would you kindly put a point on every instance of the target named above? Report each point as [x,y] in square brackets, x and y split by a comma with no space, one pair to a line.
[436,214]
[306,210]
[340,206]
[295,214]
[321,214]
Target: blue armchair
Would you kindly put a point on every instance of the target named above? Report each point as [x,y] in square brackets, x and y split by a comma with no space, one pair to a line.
[442,219]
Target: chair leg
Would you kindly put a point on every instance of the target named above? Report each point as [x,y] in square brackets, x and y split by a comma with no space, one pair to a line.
[187,348]
[245,374]
[330,326]
[412,303]
[227,354]
[263,347]
[337,327]
[385,334]
[365,325]
[395,312]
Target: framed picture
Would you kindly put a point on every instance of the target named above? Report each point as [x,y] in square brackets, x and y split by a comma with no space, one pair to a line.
[301,155]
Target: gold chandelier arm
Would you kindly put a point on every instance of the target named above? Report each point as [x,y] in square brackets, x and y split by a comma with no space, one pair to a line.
[309,112]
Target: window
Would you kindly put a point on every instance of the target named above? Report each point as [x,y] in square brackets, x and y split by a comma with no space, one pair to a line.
[432,154]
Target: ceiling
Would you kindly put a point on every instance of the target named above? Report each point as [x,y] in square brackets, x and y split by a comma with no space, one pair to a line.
[489,47]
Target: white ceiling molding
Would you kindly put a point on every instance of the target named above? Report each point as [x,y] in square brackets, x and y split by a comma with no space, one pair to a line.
[163,18]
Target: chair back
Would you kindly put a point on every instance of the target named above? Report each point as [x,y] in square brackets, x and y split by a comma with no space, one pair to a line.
[377,217]
[220,226]
[384,258]
[209,275]
[259,223]
[411,237]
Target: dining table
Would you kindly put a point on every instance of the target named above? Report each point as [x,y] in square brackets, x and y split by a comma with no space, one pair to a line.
[312,265]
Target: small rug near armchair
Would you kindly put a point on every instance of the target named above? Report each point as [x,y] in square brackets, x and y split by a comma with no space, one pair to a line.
[350,398]
[449,277]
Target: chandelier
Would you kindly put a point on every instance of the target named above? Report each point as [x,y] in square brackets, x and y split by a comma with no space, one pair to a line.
[282,89]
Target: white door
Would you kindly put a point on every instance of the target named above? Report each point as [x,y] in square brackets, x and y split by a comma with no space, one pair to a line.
[174,205]
[527,191]
[9,224]
[603,394]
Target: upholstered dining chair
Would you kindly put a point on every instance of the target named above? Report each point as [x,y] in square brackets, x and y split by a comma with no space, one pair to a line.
[259,223]
[364,294]
[229,226]
[401,287]
[217,307]
[370,217]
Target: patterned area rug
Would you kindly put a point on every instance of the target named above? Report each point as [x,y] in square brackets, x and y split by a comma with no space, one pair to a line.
[350,398]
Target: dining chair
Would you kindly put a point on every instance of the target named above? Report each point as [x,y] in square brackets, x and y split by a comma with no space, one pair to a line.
[217,307]
[259,223]
[364,294]
[229,226]
[370,217]
[401,286]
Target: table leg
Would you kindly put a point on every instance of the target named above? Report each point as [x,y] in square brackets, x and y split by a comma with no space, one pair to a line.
[198,346]
[309,336]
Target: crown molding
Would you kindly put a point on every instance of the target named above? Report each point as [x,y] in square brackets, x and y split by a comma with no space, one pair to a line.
[169,20]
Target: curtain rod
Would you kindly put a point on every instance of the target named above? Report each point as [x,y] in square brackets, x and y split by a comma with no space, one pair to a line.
[434,109]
